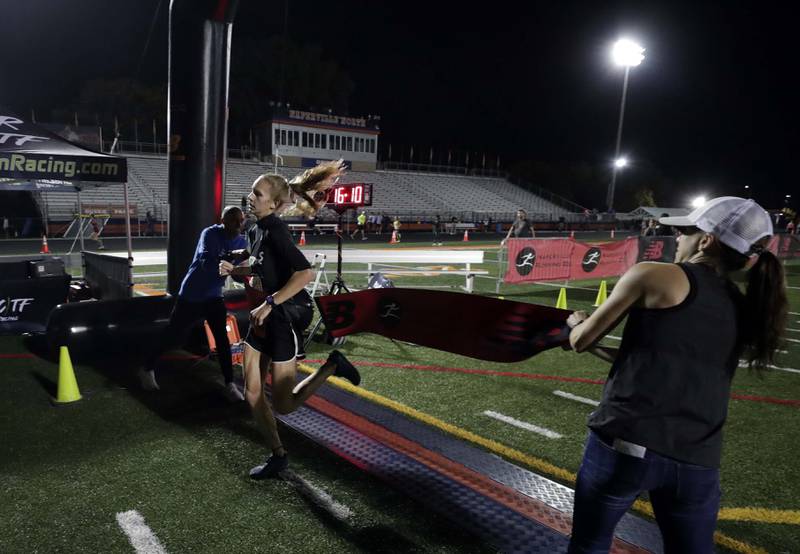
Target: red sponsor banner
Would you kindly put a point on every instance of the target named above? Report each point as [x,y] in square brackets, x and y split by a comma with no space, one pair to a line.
[785,247]
[603,260]
[538,260]
[566,260]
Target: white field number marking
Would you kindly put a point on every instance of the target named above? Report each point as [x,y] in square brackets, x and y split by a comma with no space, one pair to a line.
[576,398]
[139,534]
[523,425]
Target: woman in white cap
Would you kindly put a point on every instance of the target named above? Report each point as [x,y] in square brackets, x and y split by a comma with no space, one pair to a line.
[659,425]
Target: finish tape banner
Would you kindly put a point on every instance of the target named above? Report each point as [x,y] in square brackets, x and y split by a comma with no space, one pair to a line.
[567,260]
[466,324]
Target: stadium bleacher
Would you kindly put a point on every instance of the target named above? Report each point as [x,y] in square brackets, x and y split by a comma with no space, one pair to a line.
[394,192]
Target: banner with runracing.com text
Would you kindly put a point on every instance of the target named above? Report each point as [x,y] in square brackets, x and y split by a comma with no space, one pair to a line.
[567,259]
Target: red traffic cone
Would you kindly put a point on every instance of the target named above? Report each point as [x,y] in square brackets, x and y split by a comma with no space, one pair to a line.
[302,238]
[466,235]
[44,249]
[394,238]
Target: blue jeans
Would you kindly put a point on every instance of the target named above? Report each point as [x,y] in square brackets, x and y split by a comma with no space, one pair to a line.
[685,499]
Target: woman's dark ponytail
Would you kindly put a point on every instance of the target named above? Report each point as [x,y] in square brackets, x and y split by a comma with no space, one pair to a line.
[765,311]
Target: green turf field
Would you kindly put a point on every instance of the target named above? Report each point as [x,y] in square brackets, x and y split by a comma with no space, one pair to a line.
[180,457]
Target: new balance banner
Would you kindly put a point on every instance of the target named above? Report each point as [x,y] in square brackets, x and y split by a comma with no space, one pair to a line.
[565,259]
[469,325]
[656,249]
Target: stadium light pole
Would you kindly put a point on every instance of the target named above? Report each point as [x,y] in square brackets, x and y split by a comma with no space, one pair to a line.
[627,54]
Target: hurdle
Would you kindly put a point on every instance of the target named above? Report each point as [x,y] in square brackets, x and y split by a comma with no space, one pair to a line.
[377,260]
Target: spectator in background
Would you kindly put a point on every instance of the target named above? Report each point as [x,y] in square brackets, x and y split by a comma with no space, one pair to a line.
[520,227]
[6,227]
[95,235]
[361,223]
[663,230]
[378,224]
[150,222]
[651,229]
[396,225]
[437,228]
[384,223]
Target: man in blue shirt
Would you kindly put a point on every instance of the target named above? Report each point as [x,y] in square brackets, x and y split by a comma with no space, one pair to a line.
[200,298]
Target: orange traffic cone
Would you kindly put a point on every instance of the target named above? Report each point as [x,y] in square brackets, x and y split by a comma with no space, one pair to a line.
[466,235]
[612,233]
[44,249]
[394,238]
[302,238]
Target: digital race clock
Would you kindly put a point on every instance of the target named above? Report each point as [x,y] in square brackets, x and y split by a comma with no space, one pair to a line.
[350,195]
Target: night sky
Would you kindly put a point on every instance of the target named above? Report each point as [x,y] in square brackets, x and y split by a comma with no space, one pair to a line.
[712,107]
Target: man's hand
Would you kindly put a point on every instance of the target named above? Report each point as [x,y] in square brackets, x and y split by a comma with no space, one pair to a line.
[259,315]
[576,318]
[225,268]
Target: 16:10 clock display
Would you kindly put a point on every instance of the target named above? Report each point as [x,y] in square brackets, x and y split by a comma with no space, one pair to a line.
[350,195]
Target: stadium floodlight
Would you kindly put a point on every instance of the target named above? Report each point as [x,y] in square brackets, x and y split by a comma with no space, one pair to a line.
[619,163]
[698,201]
[627,54]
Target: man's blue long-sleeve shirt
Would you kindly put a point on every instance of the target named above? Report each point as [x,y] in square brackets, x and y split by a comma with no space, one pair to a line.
[202,281]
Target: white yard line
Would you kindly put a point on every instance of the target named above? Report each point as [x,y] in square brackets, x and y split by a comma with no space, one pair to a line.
[775,367]
[793,330]
[576,398]
[139,534]
[794,313]
[792,340]
[523,425]
[317,495]
[612,337]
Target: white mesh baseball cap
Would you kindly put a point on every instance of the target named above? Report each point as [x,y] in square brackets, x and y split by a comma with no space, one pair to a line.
[738,223]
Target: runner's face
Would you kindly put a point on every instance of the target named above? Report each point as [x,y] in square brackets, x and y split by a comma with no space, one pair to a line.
[261,201]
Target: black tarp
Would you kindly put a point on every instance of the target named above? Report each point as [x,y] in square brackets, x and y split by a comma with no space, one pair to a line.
[30,153]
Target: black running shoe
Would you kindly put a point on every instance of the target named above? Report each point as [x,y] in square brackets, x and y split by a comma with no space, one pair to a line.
[344,368]
[271,468]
